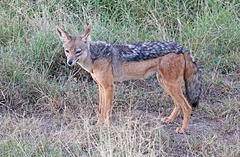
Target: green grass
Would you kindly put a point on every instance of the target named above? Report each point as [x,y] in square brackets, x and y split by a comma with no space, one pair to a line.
[48,108]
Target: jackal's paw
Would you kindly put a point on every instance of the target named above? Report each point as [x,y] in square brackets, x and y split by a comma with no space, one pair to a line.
[165,120]
[180,130]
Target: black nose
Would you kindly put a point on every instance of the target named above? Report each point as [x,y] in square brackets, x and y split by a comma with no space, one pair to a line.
[70,62]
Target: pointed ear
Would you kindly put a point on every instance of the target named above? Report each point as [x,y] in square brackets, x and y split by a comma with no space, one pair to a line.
[86,34]
[64,36]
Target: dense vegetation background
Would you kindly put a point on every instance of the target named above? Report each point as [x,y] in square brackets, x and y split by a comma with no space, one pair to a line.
[48,108]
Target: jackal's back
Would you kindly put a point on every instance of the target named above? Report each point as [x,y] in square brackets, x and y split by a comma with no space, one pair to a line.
[148,50]
[133,52]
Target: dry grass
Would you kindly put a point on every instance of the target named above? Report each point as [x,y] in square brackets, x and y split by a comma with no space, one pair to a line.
[135,129]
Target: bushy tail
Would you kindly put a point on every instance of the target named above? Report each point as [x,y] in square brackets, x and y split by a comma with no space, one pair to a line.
[193,80]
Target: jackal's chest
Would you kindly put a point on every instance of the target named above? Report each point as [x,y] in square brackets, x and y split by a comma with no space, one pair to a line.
[87,67]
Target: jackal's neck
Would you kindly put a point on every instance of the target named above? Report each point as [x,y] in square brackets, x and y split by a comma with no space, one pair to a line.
[100,49]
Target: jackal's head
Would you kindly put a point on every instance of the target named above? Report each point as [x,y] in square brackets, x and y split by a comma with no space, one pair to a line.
[76,47]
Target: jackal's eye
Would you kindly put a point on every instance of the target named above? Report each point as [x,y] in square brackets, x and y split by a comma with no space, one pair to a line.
[78,52]
[66,51]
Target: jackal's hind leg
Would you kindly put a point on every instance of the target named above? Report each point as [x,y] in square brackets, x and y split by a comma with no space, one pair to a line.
[179,101]
[177,107]
[171,69]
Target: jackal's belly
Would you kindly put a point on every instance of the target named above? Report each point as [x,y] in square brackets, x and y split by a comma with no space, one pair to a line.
[134,75]
[136,70]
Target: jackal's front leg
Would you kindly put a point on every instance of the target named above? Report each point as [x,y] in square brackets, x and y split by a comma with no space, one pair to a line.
[108,97]
[101,101]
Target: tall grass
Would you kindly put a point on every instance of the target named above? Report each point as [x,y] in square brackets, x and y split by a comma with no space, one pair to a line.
[47,107]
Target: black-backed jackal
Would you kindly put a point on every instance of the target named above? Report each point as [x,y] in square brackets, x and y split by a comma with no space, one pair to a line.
[111,62]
